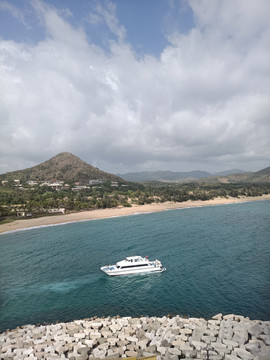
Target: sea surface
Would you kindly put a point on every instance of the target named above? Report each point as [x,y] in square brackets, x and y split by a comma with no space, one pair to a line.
[217,260]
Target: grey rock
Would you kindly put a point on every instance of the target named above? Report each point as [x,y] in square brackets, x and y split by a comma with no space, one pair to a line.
[255,330]
[99,353]
[151,349]
[240,336]
[140,334]
[217,317]
[198,345]
[253,347]
[83,351]
[265,351]
[198,333]
[265,339]
[131,353]
[175,351]
[231,357]
[243,354]
[220,348]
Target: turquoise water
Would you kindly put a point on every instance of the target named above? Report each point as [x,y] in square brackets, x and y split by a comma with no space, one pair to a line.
[217,260]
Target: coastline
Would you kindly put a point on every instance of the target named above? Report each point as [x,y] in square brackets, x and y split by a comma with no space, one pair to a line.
[120,211]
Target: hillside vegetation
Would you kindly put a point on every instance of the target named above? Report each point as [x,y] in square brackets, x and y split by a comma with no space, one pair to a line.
[64,166]
[66,183]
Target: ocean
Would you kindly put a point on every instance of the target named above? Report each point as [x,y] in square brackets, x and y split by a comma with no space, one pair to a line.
[217,260]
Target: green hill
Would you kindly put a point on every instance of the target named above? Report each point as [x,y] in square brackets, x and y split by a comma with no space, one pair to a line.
[262,176]
[62,167]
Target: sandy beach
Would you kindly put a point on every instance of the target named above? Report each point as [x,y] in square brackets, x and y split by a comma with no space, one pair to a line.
[121,211]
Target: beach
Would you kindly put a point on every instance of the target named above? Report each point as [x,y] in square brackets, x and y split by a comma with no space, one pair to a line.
[119,211]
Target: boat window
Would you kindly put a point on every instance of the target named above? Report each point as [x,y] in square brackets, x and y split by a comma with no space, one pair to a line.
[132,266]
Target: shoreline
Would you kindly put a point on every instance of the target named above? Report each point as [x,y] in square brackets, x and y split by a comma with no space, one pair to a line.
[117,212]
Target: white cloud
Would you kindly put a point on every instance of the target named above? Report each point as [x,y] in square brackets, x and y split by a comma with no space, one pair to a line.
[203,104]
[109,15]
[14,11]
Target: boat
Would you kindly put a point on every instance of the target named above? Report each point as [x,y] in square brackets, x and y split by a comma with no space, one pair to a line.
[133,265]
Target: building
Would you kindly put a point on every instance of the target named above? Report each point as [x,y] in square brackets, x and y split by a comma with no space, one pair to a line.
[97,181]
[31,182]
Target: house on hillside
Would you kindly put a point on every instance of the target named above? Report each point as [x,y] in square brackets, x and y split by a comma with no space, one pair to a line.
[97,181]
[57,211]
[31,182]
[23,213]
[80,187]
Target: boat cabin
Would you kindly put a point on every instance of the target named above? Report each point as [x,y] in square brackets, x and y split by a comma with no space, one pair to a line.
[132,261]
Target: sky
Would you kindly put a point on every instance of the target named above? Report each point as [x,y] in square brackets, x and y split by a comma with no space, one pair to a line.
[136,85]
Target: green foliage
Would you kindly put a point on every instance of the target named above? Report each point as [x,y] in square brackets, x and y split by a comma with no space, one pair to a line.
[39,199]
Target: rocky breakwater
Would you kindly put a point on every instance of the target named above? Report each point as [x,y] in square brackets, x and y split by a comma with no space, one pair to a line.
[227,337]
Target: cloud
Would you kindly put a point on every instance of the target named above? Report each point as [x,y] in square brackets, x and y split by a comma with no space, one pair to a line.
[14,11]
[204,103]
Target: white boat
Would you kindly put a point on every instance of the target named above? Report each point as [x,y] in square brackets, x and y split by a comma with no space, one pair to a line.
[133,265]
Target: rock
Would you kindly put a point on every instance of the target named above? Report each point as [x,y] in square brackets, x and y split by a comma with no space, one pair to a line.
[96,325]
[151,349]
[226,329]
[79,335]
[186,331]
[253,347]
[238,318]
[175,351]
[99,353]
[198,345]
[106,333]
[240,336]
[243,354]
[186,348]
[131,339]
[83,351]
[227,337]
[178,343]
[162,350]
[217,317]
[198,333]
[142,344]
[265,339]
[231,357]
[131,353]
[94,335]
[265,351]
[213,322]
[220,348]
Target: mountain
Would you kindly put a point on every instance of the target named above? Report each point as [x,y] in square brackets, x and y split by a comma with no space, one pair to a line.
[229,172]
[171,175]
[262,176]
[265,171]
[227,176]
[64,166]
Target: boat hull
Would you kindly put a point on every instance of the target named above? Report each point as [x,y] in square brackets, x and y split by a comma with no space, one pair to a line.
[111,271]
